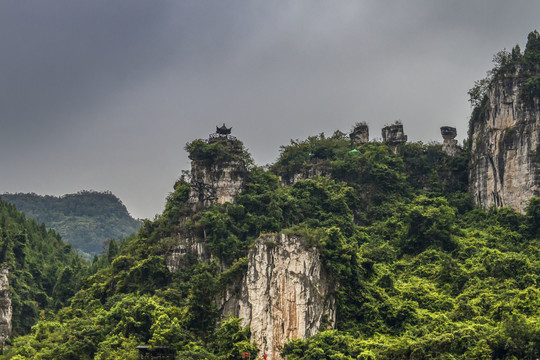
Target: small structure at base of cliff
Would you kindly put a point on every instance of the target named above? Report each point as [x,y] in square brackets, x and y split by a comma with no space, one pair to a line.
[155,352]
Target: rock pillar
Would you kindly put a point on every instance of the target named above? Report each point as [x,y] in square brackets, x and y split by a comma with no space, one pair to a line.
[450,145]
[360,134]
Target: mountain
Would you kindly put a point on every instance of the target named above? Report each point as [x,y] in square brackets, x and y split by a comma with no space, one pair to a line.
[342,249]
[85,219]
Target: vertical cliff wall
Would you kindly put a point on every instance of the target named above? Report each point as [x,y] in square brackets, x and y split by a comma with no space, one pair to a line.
[216,182]
[6,310]
[504,166]
[218,170]
[285,293]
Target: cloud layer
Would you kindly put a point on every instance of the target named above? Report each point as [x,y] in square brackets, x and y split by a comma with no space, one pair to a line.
[104,94]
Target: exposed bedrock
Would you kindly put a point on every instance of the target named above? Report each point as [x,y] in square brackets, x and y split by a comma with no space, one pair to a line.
[285,293]
[504,162]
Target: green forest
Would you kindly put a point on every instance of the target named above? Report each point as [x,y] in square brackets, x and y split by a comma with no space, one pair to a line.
[85,220]
[420,271]
[44,272]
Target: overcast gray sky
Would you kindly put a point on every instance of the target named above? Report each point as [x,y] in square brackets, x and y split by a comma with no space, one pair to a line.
[104,94]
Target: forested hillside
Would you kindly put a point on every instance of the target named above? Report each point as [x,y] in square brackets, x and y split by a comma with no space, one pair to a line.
[418,271]
[44,272]
[85,219]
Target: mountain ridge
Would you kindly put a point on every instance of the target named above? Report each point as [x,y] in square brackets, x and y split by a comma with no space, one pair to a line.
[85,219]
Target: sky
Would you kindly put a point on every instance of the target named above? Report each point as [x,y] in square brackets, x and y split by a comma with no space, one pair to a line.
[104,94]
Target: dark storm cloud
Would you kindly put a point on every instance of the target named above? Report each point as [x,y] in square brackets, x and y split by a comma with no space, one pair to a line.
[62,53]
[104,94]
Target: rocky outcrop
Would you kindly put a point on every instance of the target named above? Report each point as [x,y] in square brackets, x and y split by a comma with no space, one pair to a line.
[393,135]
[6,310]
[360,134]
[215,182]
[504,132]
[450,145]
[218,169]
[285,293]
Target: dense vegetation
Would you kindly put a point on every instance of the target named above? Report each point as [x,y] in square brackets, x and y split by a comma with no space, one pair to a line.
[218,152]
[420,273]
[85,219]
[43,271]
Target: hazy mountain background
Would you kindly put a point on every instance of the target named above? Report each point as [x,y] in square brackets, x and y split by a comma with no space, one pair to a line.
[85,220]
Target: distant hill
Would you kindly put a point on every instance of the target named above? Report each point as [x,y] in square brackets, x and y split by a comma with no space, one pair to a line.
[85,219]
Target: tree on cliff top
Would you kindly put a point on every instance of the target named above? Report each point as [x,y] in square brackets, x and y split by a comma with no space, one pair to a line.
[218,152]
[504,61]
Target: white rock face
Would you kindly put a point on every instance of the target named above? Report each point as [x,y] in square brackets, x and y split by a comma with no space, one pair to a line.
[6,310]
[285,293]
[504,167]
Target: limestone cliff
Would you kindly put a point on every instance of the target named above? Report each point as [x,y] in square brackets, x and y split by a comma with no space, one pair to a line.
[218,168]
[6,310]
[215,182]
[504,131]
[285,293]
